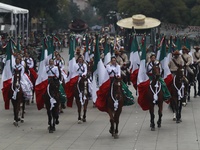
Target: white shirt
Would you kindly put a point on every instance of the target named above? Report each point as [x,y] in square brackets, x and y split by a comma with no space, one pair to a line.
[29,62]
[59,63]
[19,67]
[113,70]
[52,71]
[81,69]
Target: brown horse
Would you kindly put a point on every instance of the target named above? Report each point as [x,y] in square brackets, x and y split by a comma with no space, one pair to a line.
[52,102]
[17,98]
[115,103]
[155,95]
[178,91]
[82,96]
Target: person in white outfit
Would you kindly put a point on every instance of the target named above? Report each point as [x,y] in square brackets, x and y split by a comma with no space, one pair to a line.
[26,84]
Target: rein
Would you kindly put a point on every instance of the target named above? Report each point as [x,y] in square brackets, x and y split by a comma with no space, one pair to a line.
[180,91]
[15,91]
[157,90]
[116,101]
[81,94]
[52,100]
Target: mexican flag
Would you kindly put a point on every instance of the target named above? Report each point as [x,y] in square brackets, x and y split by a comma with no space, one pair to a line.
[135,62]
[164,63]
[143,80]
[42,81]
[86,55]
[101,81]
[170,50]
[72,77]
[107,54]
[7,76]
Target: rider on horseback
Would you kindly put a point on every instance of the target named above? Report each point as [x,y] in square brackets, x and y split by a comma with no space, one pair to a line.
[53,72]
[114,70]
[26,84]
[152,62]
[196,59]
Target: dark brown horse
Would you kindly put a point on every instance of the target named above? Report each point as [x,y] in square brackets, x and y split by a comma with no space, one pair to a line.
[178,93]
[115,103]
[82,96]
[52,102]
[17,98]
[155,95]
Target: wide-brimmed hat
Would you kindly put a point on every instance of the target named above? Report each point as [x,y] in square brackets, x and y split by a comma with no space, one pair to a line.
[139,21]
[176,52]
[196,47]
[185,48]
[78,25]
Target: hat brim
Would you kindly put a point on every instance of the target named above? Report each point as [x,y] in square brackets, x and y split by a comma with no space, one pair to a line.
[149,23]
[78,29]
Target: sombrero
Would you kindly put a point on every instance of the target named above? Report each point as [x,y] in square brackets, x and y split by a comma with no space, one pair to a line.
[176,52]
[78,25]
[185,48]
[196,47]
[139,21]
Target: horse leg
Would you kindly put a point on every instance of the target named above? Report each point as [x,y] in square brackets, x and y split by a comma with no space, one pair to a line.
[189,89]
[179,108]
[14,102]
[160,105]
[49,113]
[33,92]
[152,124]
[78,103]
[84,111]
[111,130]
[23,110]
[116,118]
[195,90]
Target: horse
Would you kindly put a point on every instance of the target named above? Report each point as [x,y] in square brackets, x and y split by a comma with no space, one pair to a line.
[155,95]
[82,96]
[52,102]
[17,98]
[115,102]
[178,91]
[192,78]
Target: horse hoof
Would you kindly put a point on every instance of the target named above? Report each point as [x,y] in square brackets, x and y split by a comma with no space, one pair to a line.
[152,129]
[15,124]
[116,136]
[159,125]
[61,112]
[79,121]
[178,121]
[84,120]
[57,122]
[184,104]
[54,129]
[174,119]
[111,132]
[50,131]
[32,101]
[22,121]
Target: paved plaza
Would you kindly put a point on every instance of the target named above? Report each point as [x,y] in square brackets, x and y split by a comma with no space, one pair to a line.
[134,129]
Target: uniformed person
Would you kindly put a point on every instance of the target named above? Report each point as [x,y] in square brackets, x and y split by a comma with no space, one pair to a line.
[187,59]
[175,62]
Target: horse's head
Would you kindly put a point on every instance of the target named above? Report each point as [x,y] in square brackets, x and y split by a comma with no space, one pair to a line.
[117,83]
[54,83]
[17,78]
[180,71]
[156,70]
